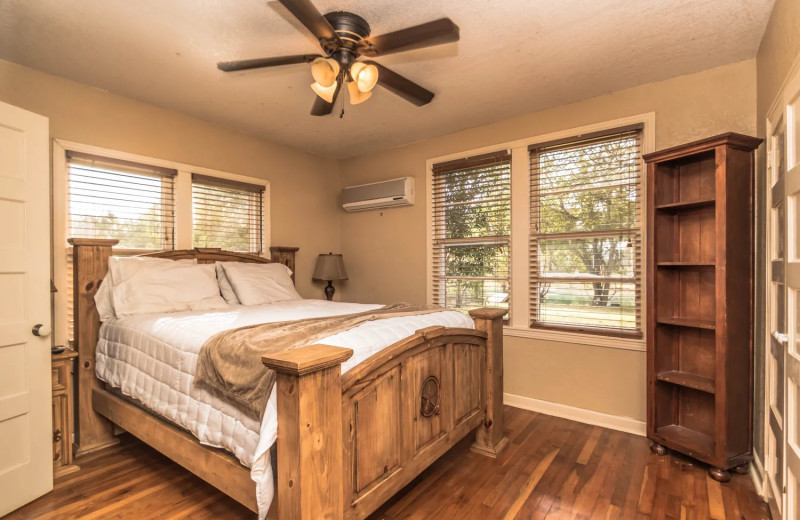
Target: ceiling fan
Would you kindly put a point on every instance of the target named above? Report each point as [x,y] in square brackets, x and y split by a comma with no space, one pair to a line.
[345,37]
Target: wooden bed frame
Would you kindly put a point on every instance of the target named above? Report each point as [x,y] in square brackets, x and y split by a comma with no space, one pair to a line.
[346,443]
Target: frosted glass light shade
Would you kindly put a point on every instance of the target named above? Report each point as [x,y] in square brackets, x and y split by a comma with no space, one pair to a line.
[364,75]
[356,96]
[325,71]
[325,93]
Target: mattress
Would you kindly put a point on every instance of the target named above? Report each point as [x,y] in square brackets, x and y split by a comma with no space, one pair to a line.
[152,359]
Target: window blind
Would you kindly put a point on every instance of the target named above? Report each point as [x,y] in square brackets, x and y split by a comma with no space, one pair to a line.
[109,198]
[471,230]
[131,202]
[227,214]
[586,233]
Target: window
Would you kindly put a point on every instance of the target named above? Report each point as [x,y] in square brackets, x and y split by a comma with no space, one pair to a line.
[471,230]
[148,205]
[128,201]
[227,214]
[586,234]
[131,202]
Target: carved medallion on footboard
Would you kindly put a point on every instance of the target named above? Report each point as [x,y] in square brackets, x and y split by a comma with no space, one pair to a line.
[406,408]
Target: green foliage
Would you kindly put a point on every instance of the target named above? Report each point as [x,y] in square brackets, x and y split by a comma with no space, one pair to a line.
[145,232]
[224,222]
[222,218]
[477,204]
[591,188]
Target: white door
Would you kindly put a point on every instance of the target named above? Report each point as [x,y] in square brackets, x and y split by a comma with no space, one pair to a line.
[783,310]
[26,456]
[792,270]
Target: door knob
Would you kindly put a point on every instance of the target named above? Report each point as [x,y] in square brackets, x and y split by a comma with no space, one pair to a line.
[782,338]
[41,330]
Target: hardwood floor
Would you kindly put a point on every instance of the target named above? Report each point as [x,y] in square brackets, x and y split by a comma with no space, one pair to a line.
[552,469]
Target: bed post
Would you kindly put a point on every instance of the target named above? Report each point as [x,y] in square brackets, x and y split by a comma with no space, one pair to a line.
[489,437]
[285,256]
[90,264]
[310,459]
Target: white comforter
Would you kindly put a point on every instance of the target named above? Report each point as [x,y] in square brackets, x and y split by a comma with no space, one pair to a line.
[152,358]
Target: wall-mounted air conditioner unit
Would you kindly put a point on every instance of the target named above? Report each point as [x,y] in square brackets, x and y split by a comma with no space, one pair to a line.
[385,194]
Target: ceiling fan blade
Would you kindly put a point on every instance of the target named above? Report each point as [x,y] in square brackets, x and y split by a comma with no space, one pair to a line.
[322,107]
[428,34]
[403,87]
[231,66]
[309,16]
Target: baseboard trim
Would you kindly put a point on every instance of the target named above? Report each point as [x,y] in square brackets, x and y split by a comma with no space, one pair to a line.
[758,476]
[613,422]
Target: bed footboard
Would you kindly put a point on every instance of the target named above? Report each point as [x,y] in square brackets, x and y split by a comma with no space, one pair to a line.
[348,443]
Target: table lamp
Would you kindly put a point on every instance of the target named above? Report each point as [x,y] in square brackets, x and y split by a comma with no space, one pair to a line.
[329,267]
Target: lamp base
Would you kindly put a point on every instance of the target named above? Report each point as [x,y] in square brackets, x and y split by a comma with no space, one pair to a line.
[329,290]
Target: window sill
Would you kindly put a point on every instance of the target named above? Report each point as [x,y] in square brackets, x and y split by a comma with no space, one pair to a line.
[577,338]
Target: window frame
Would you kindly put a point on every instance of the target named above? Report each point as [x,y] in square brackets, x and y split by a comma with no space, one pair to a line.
[256,245]
[536,237]
[519,325]
[439,225]
[182,218]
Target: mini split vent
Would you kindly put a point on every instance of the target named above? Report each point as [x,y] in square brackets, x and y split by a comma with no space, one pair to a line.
[386,194]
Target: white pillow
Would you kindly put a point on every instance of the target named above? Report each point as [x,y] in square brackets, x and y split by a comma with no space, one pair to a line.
[261,283]
[225,287]
[103,298]
[145,287]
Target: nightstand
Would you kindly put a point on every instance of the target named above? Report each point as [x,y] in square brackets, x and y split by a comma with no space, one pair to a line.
[62,412]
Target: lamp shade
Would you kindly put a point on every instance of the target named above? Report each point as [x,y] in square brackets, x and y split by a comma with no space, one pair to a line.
[356,96]
[325,93]
[325,71]
[329,267]
[365,75]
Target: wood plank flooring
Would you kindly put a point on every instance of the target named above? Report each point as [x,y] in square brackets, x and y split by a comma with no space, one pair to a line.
[552,469]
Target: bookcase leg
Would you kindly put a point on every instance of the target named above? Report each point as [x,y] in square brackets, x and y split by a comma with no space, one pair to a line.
[658,449]
[719,474]
[742,469]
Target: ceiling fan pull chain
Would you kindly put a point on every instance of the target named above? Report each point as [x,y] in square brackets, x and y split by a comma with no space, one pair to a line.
[341,99]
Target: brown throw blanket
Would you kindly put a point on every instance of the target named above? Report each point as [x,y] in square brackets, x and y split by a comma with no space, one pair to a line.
[229,363]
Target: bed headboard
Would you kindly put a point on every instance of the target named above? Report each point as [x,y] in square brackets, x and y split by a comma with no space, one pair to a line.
[209,255]
[90,264]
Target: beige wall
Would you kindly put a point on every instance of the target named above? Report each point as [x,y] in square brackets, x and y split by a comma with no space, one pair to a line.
[778,52]
[386,251]
[303,206]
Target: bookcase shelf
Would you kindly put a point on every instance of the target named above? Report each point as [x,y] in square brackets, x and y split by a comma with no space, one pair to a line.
[692,204]
[688,265]
[699,253]
[687,379]
[687,322]
[689,441]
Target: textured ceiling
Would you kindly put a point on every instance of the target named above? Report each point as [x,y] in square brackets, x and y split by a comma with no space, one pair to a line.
[514,57]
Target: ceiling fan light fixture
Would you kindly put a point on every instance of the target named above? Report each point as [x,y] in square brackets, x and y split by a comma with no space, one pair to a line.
[325,71]
[356,96]
[325,93]
[364,75]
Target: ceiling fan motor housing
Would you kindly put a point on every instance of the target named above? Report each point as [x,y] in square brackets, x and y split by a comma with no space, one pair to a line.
[351,28]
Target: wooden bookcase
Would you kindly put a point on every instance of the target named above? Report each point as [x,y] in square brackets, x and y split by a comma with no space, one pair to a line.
[700,300]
